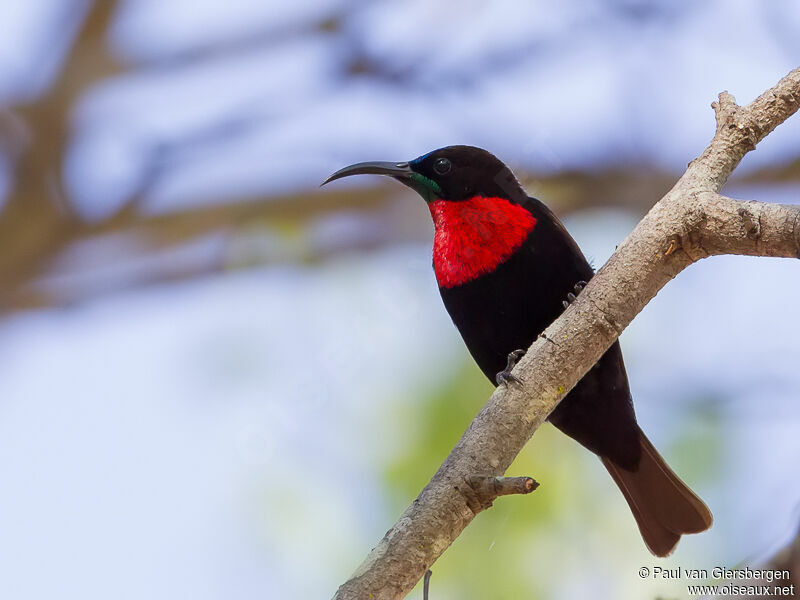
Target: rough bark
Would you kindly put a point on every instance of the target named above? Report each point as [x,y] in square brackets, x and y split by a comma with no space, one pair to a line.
[692,221]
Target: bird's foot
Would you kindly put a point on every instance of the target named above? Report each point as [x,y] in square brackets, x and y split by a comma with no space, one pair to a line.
[505,377]
[578,287]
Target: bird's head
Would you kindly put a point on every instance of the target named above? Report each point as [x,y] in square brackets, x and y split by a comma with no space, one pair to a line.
[453,173]
[477,205]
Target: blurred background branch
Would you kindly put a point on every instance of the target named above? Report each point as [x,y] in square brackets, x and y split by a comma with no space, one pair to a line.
[786,559]
[42,230]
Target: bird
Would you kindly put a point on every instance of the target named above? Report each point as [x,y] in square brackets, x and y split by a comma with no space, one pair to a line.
[506,268]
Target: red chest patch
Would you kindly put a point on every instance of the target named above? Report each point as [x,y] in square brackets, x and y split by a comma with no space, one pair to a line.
[474,236]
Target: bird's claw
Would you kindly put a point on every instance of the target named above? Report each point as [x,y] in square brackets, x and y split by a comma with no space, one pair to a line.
[578,287]
[505,377]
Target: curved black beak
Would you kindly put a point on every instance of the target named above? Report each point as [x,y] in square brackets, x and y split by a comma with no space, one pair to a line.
[400,170]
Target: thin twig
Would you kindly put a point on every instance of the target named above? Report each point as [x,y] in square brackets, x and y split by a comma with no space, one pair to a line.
[426,583]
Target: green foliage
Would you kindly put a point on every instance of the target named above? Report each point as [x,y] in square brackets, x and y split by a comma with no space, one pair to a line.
[697,453]
[433,427]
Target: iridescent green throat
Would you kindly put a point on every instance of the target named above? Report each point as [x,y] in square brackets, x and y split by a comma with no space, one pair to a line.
[425,186]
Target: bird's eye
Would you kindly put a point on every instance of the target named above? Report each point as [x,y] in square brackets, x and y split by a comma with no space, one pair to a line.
[442,166]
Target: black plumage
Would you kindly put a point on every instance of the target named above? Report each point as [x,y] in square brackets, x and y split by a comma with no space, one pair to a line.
[503,277]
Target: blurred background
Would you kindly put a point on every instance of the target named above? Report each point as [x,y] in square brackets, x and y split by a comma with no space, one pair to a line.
[219,381]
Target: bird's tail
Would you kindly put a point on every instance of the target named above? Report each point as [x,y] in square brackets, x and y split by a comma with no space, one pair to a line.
[663,506]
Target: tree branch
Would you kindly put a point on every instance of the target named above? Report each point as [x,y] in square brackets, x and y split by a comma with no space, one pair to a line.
[480,492]
[690,222]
